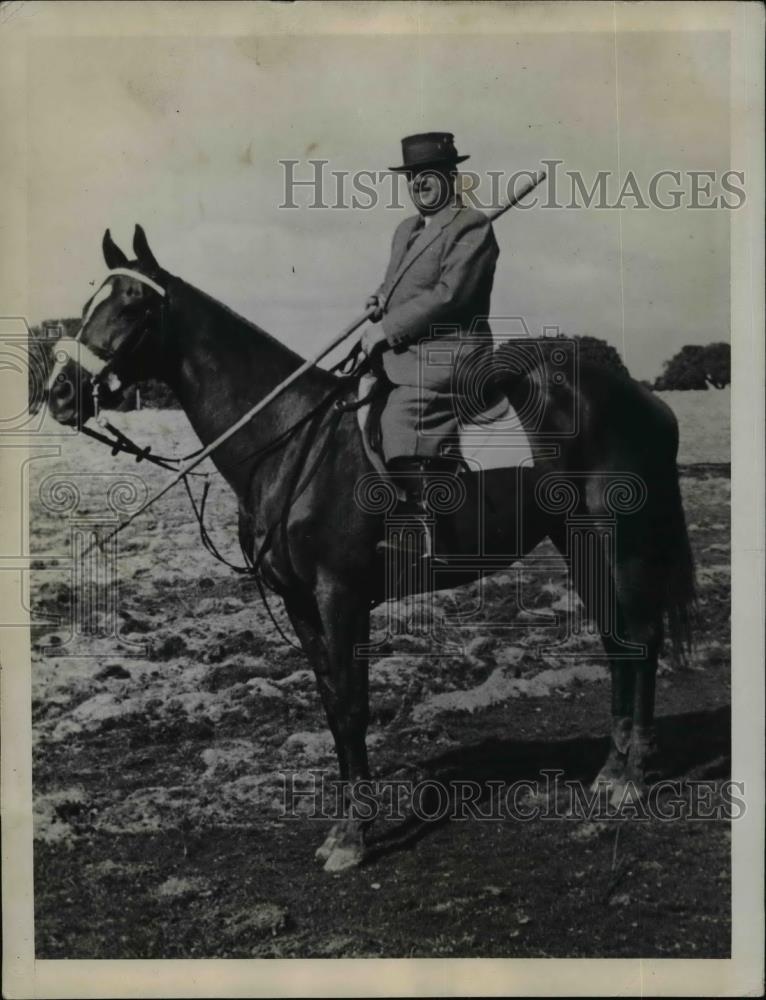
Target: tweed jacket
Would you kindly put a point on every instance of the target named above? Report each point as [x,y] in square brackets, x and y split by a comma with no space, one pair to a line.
[435,291]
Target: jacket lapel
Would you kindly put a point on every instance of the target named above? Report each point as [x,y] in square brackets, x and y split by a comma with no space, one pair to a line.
[404,239]
[423,241]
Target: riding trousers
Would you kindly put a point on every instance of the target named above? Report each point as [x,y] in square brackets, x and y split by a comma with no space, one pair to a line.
[422,417]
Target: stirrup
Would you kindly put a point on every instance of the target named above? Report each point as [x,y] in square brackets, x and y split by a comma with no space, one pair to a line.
[411,474]
[385,546]
[388,548]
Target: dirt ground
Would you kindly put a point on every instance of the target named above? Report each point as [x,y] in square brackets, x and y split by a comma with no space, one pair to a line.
[159,753]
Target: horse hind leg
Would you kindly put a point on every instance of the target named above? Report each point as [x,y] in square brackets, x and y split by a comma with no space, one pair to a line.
[637,588]
[613,774]
[633,648]
[610,599]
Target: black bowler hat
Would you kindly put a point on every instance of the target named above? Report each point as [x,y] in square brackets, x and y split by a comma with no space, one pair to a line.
[428,149]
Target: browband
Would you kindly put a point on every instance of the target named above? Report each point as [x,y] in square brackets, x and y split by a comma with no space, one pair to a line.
[126,272]
[74,348]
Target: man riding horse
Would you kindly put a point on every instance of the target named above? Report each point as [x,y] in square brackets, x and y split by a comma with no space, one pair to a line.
[432,313]
[610,504]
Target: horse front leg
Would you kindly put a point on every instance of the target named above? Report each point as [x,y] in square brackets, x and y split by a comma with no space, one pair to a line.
[344,688]
[342,681]
[308,627]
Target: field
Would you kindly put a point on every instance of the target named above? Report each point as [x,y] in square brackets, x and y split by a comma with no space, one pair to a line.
[159,753]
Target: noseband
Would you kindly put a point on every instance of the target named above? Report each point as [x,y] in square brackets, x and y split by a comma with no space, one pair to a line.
[99,369]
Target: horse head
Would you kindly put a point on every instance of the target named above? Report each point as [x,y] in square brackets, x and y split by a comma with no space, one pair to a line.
[119,336]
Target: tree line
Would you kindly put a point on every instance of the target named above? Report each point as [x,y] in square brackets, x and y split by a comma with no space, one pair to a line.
[693,367]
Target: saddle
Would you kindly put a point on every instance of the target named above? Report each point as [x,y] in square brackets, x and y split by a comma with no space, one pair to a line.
[493,438]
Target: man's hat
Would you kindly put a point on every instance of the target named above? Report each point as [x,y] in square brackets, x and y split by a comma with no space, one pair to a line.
[429,149]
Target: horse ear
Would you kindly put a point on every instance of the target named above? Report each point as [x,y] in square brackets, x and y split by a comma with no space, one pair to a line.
[141,249]
[113,256]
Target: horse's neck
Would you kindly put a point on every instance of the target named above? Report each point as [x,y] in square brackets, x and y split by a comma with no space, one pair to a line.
[219,366]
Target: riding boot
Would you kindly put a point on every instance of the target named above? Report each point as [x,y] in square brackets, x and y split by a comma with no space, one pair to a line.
[413,476]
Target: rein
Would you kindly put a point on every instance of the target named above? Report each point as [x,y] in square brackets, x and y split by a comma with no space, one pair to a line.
[254,567]
[119,443]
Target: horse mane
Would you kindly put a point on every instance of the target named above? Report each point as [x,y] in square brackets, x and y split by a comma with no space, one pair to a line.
[236,329]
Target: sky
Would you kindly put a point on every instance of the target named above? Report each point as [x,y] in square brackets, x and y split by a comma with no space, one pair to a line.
[184,135]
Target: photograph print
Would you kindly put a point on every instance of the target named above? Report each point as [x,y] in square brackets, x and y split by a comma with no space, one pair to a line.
[384,369]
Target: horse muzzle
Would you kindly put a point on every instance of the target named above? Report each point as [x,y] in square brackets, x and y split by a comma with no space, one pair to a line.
[68,395]
[78,379]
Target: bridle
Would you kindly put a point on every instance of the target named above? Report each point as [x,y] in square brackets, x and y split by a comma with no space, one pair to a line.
[102,370]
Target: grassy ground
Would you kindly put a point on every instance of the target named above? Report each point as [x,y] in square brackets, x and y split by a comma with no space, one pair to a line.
[158,759]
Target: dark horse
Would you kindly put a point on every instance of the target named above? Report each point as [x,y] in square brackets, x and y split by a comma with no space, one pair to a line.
[615,475]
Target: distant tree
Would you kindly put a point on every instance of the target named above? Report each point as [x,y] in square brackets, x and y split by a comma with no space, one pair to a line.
[600,354]
[695,366]
[717,364]
[513,359]
[684,370]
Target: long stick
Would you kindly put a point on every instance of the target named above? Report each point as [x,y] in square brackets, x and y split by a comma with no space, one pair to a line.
[279,389]
[247,417]
[533,182]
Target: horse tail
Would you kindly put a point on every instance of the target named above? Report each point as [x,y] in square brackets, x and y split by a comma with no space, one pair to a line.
[672,556]
[679,597]
[624,416]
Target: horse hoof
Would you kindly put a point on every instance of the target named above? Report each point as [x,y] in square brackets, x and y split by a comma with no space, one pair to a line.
[607,782]
[627,793]
[326,848]
[342,858]
[618,791]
